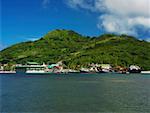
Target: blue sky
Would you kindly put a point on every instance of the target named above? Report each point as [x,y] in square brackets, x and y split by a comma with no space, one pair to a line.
[24,20]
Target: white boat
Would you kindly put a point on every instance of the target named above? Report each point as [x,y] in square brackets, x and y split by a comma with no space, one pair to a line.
[35,71]
[30,68]
[134,69]
[145,72]
[104,68]
[84,70]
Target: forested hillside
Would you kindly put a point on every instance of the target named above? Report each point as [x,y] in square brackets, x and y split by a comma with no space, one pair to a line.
[74,49]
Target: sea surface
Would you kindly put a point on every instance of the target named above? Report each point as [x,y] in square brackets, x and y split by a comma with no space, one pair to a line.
[75,93]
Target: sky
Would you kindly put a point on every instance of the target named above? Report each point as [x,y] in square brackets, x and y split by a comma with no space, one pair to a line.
[25,20]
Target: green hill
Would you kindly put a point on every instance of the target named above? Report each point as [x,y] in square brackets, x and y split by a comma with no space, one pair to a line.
[75,49]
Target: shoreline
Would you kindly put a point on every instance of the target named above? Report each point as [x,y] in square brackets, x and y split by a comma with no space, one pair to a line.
[14,72]
[7,72]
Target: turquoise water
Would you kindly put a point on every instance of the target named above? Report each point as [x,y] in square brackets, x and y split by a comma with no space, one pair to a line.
[75,93]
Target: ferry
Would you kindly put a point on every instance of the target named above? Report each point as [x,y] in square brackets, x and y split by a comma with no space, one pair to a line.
[30,68]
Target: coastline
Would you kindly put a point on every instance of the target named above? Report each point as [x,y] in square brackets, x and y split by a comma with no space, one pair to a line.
[14,72]
[7,72]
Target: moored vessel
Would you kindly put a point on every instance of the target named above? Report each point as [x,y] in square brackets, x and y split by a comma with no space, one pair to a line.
[104,68]
[134,69]
[30,68]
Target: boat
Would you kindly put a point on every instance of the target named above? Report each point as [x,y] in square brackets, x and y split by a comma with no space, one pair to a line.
[84,70]
[100,70]
[36,68]
[30,68]
[7,72]
[145,72]
[104,68]
[134,69]
[120,70]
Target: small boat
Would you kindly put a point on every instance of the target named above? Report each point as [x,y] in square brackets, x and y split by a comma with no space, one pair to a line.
[84,70]
[134,69]
[145,72]
[103,70]
[120,70]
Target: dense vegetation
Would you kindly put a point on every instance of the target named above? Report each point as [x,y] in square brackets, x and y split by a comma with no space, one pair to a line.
[75,49]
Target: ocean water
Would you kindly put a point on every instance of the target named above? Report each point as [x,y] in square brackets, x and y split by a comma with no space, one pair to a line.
[75,93]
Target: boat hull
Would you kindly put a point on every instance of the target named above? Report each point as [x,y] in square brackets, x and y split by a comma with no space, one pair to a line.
[134,71]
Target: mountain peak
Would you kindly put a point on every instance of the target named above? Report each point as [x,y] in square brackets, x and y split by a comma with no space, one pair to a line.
[62,32]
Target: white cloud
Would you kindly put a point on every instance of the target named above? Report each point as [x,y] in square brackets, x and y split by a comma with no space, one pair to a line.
[128,7]
[28,37]
[139,20]
[2,46]
[45,3]
[123,25]
[115,25]
[147,39]
[118,16]
[85,4]
[32,39]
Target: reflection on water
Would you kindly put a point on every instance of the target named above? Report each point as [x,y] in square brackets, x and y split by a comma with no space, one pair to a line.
[75,93]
